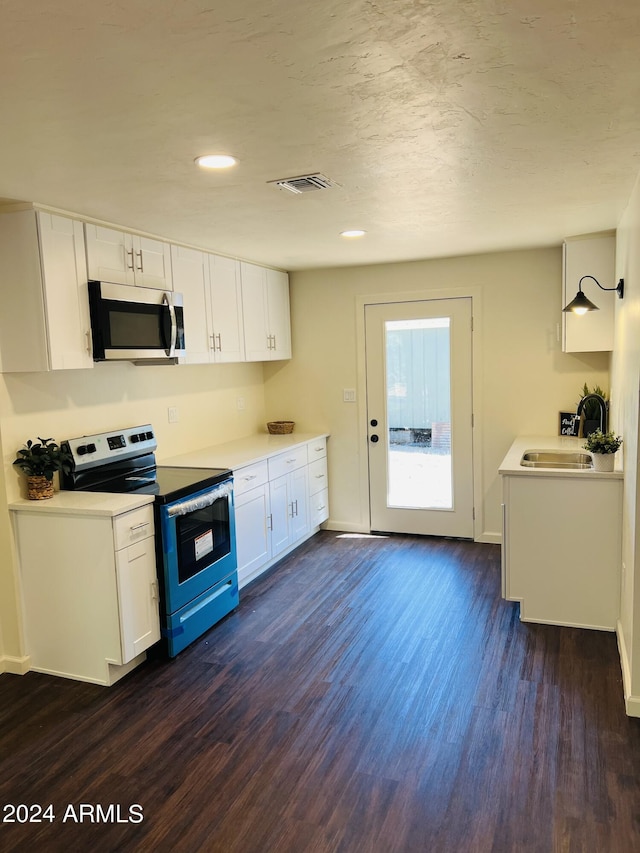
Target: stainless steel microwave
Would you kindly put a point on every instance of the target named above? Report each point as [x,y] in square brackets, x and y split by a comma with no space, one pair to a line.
[135,323]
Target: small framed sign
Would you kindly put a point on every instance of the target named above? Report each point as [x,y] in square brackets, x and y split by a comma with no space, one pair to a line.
[569,423]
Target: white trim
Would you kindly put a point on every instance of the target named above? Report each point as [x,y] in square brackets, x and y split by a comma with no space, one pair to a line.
[15,666]
[632,703]
[475,294]
[489,538]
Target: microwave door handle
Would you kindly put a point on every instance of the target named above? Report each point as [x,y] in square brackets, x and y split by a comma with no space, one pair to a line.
[166,300]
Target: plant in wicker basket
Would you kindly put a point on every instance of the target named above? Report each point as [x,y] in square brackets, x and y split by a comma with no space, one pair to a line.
[40,460]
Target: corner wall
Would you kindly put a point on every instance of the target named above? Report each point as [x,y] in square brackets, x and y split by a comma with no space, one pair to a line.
[522,377]
[625,399]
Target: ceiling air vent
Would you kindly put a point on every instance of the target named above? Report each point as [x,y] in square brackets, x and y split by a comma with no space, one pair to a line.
[304,183]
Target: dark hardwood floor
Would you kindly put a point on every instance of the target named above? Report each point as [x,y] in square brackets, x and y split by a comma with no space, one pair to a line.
[370,694]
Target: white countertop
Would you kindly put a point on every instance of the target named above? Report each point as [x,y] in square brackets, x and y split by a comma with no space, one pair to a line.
[243,451]
[83,503]
[511,462]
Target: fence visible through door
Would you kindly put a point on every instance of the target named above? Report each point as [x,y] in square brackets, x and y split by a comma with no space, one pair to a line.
[419,412]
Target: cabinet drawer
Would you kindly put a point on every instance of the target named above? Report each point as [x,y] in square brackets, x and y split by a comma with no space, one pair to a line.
[250,476]
[289,461]
[317,449]
[317,476]
[132,526]
[319,508]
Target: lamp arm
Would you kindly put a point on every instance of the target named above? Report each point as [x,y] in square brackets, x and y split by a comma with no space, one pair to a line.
[619,288]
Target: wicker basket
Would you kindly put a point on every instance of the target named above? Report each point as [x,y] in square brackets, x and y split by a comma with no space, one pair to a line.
[39,488]
[280,427]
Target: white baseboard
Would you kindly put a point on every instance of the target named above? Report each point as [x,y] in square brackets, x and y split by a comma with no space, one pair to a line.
[489,538]
[632,703]
[346,527]
[15,666]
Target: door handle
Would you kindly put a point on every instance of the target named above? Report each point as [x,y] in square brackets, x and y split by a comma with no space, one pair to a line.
[374,438]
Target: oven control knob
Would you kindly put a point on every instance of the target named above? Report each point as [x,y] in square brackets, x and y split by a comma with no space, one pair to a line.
[134,438]
[91,448]
[149,435]
[81,450]
[142,436]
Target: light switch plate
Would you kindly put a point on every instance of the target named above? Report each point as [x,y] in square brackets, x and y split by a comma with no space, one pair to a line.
[349,395]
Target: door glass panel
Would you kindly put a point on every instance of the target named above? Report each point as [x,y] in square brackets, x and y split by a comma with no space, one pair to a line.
[418,401]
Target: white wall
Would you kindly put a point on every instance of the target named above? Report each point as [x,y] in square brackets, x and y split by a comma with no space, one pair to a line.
[65,404]
[523,378]
[626,388]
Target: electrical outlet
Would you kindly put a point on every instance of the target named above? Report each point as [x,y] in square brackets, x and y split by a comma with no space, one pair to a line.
[172,412]
[240,403]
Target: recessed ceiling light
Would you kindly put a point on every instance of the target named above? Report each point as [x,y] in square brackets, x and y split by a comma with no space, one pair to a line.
[355,232]
[216,161]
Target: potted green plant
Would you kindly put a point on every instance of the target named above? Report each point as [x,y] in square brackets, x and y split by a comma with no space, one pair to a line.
[603,447]
[40,460]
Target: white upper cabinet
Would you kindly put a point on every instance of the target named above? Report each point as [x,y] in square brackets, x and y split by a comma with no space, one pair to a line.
[124,258]
[225,308]
[265,305]
[210,286]
[44,322]
[595,256]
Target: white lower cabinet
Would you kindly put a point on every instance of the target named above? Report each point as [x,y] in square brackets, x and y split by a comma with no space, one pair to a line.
[89,591]
[561,565]
[278,505]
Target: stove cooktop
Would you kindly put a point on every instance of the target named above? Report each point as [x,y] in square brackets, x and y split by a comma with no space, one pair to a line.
[167,483]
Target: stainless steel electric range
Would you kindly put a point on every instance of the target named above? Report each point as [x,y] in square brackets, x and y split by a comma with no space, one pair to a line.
[194,521]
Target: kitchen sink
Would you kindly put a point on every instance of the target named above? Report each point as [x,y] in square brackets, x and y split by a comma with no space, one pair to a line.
[572,459]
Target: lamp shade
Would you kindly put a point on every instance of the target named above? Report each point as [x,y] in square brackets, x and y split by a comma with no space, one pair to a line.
[580,305]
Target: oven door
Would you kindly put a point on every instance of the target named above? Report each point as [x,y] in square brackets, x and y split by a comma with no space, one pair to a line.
[197,544]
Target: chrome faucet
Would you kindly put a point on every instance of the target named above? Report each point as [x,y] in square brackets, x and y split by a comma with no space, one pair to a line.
[603,409]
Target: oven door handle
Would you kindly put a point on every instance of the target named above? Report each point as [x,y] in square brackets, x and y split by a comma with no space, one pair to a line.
[168,301]
[188,505]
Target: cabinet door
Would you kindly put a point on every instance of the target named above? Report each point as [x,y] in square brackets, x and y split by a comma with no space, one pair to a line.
[255,312]
[66,298]
[109,255]
[299,497]
[225,308]
[191,278]
[137,598]
[280,505]
[279,320]
[152,263]
[253,534]
[596,256]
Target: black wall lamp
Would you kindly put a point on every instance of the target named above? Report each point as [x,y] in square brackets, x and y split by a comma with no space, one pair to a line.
[580,305]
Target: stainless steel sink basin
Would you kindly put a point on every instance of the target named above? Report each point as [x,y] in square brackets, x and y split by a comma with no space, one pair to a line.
[572,459]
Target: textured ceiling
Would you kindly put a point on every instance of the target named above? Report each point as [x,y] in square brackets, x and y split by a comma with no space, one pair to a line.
[450,127]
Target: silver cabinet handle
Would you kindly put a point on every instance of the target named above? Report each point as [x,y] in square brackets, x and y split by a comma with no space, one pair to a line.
[168,301]
[139,526]
[212,342]
[219,337]
[130,253]
[154,590]
[269,522]
[274,342]
[141,267]
[250,477]
[89,347]
[319,476]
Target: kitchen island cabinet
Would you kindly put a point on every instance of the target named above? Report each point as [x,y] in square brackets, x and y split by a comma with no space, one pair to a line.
[561,540]
[88,583]
[280,493]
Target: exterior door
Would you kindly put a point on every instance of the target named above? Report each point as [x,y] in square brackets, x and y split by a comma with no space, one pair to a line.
[419,414]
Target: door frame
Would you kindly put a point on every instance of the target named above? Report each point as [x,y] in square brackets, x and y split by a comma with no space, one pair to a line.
[475,294]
